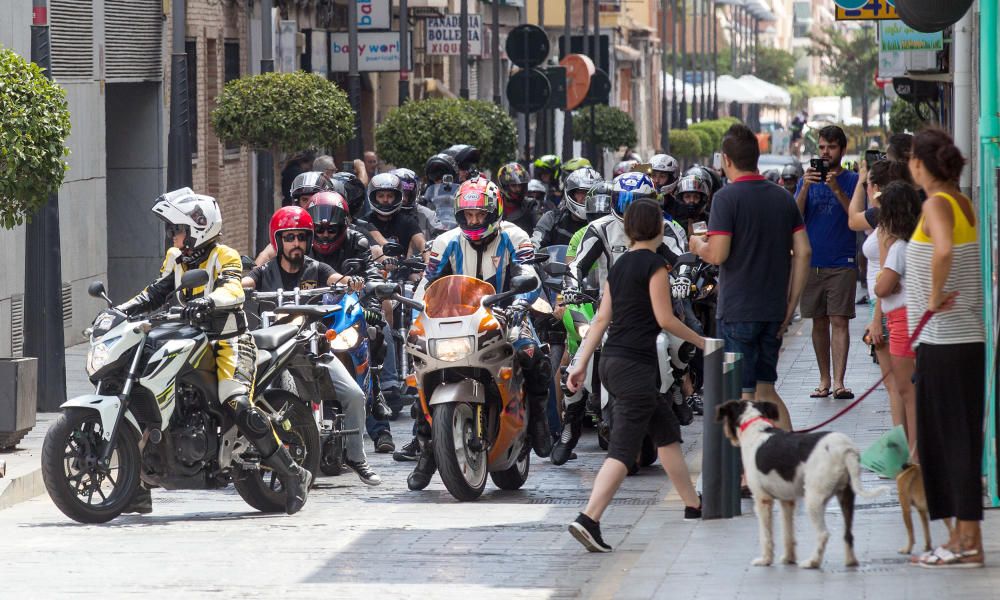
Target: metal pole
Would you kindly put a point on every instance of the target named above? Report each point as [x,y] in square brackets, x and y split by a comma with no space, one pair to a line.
[695,60]
[179,137]
[715,61]
[733,16]
[404,52]
[567,141]
[357,145]
[265,161]
[704,59]
[596,56]
[664,108]
[463,22]
[673,64]
[712,436]
[682,115]
[495,51]
[730,465]
[43,317]
[756,43]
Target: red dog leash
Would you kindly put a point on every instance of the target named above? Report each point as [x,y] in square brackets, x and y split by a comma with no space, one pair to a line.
[916,333]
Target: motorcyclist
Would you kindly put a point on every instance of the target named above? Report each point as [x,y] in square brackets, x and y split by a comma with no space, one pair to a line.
[467,159]
[691,201]
[537,192]
[385,196]
[625,166]
[517,207]
[559,225]
[194,223]
[572,165]
[663,170]
[547,169]
[292,231]
[305,185]
[790,176]
[426,218]
[438,166]
[489,248]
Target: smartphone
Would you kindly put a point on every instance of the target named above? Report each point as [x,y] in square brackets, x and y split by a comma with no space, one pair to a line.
[347,166]
[821,166]
[717,161]
[873,156]
[699,228]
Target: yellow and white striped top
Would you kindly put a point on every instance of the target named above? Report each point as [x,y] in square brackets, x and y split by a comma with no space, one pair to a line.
[963,324]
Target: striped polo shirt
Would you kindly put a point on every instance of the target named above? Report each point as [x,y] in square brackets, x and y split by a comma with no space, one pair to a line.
[963,323]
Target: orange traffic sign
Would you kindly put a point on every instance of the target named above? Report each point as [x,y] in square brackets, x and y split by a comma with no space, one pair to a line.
[579,70]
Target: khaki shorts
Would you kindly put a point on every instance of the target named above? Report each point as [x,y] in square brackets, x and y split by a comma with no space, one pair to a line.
[829,293]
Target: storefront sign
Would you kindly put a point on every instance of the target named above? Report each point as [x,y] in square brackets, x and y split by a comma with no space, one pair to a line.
[377,51]
[896,36]
[865,10]
[444,36]
[374,14]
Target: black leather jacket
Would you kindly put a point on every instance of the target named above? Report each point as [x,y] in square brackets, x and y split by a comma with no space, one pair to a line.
[355,246]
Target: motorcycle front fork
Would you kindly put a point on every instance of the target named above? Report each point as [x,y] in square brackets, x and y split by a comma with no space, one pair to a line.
[133,376]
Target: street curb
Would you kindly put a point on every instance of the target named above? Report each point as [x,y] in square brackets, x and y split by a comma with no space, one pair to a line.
[21,488]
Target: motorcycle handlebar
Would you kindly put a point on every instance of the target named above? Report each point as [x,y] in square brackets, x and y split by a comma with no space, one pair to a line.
[253,294]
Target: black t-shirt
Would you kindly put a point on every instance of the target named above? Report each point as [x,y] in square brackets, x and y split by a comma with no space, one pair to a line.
[313,274]
[400,228]
[761,218]
[633,330]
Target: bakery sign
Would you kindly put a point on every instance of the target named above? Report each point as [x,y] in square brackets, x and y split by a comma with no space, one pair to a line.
[444,35]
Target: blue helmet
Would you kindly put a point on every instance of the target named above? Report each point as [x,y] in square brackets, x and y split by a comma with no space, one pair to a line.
[627,188]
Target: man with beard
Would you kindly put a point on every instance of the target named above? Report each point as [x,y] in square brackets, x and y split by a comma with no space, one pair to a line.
[292,236]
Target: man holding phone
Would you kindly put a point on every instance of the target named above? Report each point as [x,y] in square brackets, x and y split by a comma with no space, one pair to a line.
[823,197]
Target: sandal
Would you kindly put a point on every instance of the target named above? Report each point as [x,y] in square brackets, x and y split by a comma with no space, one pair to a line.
[820,393]
[943,558]
[843,394]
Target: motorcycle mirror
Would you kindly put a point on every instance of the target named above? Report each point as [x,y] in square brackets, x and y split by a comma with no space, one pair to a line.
[194,278]
[352,266]
[687,259]
[392,249]
[96,289]
[385,290]
[247,262]
[555,268]
[523,283]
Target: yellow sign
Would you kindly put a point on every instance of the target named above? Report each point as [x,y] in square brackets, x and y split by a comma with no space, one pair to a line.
[874,10]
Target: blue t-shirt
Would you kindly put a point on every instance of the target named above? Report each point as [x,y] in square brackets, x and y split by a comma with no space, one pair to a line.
[833,242]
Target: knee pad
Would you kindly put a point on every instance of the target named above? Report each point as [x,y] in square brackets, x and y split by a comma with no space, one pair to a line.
[251,420]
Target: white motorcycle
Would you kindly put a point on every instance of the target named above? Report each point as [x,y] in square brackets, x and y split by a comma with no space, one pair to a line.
[156,417]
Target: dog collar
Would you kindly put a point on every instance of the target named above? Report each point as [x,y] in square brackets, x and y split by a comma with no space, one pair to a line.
[744,426]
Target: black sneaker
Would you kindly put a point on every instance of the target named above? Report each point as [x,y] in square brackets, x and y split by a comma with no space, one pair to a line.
[588,532]
[366,474]
[394,401]
[384,444]
[692,513]
[696,404]
[409,452]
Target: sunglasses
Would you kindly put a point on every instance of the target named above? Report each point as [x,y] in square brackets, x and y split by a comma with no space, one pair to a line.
[288,238]
[332,229]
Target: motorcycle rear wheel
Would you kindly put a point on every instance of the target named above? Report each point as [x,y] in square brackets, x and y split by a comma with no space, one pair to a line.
[514,477]
[69,467]
[297,431]
[462,469]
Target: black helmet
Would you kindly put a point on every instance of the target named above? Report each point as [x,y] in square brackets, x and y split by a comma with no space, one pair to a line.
[440,165]
[792,172]
[773,176]
[409,184]
[350,187]
[385,182]
[466,156]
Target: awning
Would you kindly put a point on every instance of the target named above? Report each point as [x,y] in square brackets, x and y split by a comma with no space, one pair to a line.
[774,95]
[683,89]
[749,89]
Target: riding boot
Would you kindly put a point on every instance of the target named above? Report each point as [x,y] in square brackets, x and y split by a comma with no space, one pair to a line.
[294,479]
[538,426]
[141,503]
[569,436]
[425,468]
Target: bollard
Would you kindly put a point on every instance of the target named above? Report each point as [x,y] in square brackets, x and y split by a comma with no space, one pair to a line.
[732,385]
[712,437]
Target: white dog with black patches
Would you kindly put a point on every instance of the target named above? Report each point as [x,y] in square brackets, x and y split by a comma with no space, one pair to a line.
[786,466]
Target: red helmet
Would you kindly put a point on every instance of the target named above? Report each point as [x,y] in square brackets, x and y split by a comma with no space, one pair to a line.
[290,218]
[329,212]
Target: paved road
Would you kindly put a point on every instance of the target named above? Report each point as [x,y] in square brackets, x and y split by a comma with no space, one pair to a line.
[355,541]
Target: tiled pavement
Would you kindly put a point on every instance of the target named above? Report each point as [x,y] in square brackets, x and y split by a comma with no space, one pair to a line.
[354,541]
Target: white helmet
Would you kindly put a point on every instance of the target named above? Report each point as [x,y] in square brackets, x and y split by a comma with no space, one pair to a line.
[199,215]
[668,164]
[581,179]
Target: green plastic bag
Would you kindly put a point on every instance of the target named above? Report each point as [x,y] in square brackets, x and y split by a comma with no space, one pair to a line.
[888,454]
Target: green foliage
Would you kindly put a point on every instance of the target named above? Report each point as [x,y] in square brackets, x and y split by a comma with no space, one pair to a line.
[283,111]
[903,116]
[849,60]
[776,66]
[502,147]
[613,127]
[801,92]
[685,143]
[715,129]
[706,141]
[414,132]
[34,124]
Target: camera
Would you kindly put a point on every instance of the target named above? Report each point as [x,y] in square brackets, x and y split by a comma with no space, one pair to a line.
[873,156]
[821,166]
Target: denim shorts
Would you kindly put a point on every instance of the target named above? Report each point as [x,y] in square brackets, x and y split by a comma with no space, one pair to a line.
[759,344]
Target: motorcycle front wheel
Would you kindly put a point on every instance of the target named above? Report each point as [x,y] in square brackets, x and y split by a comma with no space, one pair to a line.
[297,431]
[514,477]
[462,469]
[78,487]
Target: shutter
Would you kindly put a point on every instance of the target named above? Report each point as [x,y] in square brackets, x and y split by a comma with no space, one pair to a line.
[133,40]
[67,305]
[17,326]
[72,34]
[474,79]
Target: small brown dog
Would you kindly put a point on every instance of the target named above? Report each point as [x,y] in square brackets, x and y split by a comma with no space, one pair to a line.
[910,485]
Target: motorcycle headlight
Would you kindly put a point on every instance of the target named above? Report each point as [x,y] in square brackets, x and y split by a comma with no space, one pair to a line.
[98,356]
[346,339]
[452,349]
[583,330]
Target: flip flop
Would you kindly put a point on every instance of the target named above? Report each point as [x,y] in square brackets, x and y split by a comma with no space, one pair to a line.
[820,393]
[943,558]
[843,394]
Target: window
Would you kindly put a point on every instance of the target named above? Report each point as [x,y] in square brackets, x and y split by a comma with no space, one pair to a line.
[802,22]
[231,71]
[191,49]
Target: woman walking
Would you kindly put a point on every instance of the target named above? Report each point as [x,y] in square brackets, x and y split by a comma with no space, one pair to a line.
[944,275]
[636,305]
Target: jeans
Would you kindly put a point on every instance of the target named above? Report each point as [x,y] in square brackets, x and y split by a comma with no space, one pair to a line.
[389,376]
[352,401]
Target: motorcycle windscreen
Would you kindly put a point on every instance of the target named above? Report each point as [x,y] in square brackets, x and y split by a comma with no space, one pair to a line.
[455,296]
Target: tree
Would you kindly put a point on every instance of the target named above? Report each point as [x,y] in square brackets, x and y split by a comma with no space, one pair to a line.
[34,125]
[776,66]
[502,147]
[685,143]
[904,116]
[613,127]
[850,61]
[412,133]
[283,112]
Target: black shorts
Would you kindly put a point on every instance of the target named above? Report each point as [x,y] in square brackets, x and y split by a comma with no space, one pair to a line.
[636,408]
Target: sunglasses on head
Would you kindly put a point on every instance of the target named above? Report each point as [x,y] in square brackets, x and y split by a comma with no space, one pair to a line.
[288,238]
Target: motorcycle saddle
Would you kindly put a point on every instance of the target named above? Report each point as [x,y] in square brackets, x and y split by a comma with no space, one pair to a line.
[270,338]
